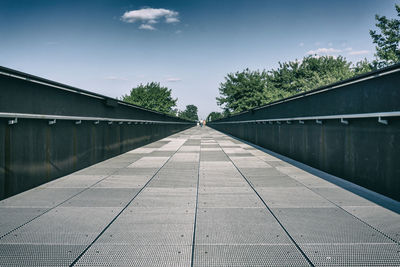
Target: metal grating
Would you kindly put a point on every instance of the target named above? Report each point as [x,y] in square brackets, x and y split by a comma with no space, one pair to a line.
[342,197]
[95,197]
[130,255]
[40,197]
[233,227]
[353,254]
[38,255]
[248,255]
[326,225]
[14,217]
[298,197]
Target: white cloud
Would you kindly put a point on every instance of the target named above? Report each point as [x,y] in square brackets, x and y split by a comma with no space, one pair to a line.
[178,32]
[359,52]
[149,16]
[348,49]
[301,44]
[324,51]
[146,27]
[173,80]
[171,20]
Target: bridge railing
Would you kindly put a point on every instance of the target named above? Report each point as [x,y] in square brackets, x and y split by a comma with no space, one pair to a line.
[48,129]
[350,129]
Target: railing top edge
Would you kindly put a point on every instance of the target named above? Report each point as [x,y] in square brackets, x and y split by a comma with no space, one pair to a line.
[81,118]
[327,117]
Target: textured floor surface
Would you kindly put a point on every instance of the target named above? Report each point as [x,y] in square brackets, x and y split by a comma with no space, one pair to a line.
[197,198]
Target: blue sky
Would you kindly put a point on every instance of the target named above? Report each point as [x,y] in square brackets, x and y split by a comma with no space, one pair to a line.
[110,46]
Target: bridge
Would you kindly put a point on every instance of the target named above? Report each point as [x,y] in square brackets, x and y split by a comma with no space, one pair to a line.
[93,181]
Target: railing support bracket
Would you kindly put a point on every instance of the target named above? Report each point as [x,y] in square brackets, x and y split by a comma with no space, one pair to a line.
[14,121]
[380,120]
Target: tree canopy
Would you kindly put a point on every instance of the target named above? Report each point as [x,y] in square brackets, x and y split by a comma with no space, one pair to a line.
[190,113]
[387,40]
[152,96]
[243,90]
[214,116]
[248,89]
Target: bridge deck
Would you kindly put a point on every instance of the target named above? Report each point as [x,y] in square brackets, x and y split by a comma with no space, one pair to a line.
[196,198]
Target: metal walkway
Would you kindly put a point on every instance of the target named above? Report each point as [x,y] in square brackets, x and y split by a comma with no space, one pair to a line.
[197,198]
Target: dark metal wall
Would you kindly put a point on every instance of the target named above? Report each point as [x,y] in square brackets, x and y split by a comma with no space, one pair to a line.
[33,152]
[364,152]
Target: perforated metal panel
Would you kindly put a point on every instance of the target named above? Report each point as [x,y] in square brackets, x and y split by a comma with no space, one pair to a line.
[206,203]
[380,218]
[40,197]
[229,200]
[292,197]
[12,218]
[102,197]
[342,197]
[353,254]
[38,255]
[248,255]
[129,255]
[326,225]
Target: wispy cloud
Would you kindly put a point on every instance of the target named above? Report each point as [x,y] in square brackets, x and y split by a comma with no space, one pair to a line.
[324,51]
[348,49]
[301,44]
[115,78]
[173,80]
[148,16]
[359,52]
[146,27]
[171,20]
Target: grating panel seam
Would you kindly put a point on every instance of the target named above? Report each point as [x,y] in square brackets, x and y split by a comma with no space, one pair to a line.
[357,218]
[59,204]
[195,213]
[269,209]
[122,210]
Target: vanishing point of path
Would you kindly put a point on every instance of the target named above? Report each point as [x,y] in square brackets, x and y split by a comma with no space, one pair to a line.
[196,198]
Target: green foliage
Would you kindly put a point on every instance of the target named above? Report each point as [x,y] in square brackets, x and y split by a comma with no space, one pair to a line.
[248,89]
[190,113]
[387,41]
[152,96]
[214,116]
[363,66]
[312,72]
[243,90]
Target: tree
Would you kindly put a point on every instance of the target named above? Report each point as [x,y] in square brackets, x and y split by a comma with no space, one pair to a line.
[243,90]
[152,96]
[190,113]
[312,72]
[248,89]
[363,66]
[387,41]
[214,116]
